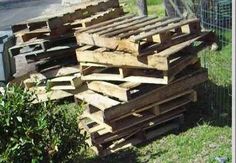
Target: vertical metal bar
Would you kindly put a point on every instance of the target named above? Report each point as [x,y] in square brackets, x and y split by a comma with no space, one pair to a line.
[142,7]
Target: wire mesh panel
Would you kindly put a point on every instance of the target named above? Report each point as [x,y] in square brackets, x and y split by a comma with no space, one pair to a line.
[216,15]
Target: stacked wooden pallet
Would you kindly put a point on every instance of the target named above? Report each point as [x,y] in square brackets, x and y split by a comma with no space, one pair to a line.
[50,44]
[141,73]
[49,38]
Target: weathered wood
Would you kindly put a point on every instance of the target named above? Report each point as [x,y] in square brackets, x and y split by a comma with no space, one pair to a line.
[96,100]
[142,76]
[148,135]
[52,95]
[99,17]
[57,21]
[158,94]
[158,60]
[124,38]
[108,137]
[145,114]
[65,82]
[63,71]
[109,89]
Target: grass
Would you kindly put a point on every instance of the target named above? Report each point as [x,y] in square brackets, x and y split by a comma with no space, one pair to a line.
[219,65]
[200,144]
[155,7]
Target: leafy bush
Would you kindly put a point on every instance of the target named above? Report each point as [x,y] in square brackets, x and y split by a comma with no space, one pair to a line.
[36,133]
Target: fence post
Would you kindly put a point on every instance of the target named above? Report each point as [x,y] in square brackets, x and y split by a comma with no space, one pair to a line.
[142,7]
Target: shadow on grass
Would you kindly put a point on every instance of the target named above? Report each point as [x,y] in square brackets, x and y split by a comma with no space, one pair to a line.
[213,106]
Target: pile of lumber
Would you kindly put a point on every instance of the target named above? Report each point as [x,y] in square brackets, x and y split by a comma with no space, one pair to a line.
[141,73]
[48,38]
[135,75]
[50,44]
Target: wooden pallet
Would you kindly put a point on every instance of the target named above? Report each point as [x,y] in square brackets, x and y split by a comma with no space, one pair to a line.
[159,60]
[139,34]
[79,23]
[103,138]
[149,131]
[80,11]
[112,108]
[101,72]
[138,116]
[59,24]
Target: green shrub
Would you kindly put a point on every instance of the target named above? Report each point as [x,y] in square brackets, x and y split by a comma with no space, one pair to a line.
[36,133]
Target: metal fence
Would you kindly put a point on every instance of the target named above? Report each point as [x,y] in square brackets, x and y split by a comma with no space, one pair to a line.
[215,15]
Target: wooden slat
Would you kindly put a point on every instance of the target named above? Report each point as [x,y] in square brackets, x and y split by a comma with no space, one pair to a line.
[127,26]
[97,100]
[149,26]
[115,24]
[164,29]
[99,17]
[109,89]
[64,71]
[117,77]
[104,24]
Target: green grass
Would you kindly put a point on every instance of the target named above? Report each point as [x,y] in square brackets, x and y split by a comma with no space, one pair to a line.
[155,7]
[200,144]
[219,65]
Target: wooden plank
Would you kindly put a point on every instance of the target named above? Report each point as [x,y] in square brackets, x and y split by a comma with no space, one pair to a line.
[128,26]
[98,17]
[105,25]
[117,77]
[86,11]
[115,24]
[109,89]
[39,33]
[63,71]
[52,95]
[158,94]
[97,100]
